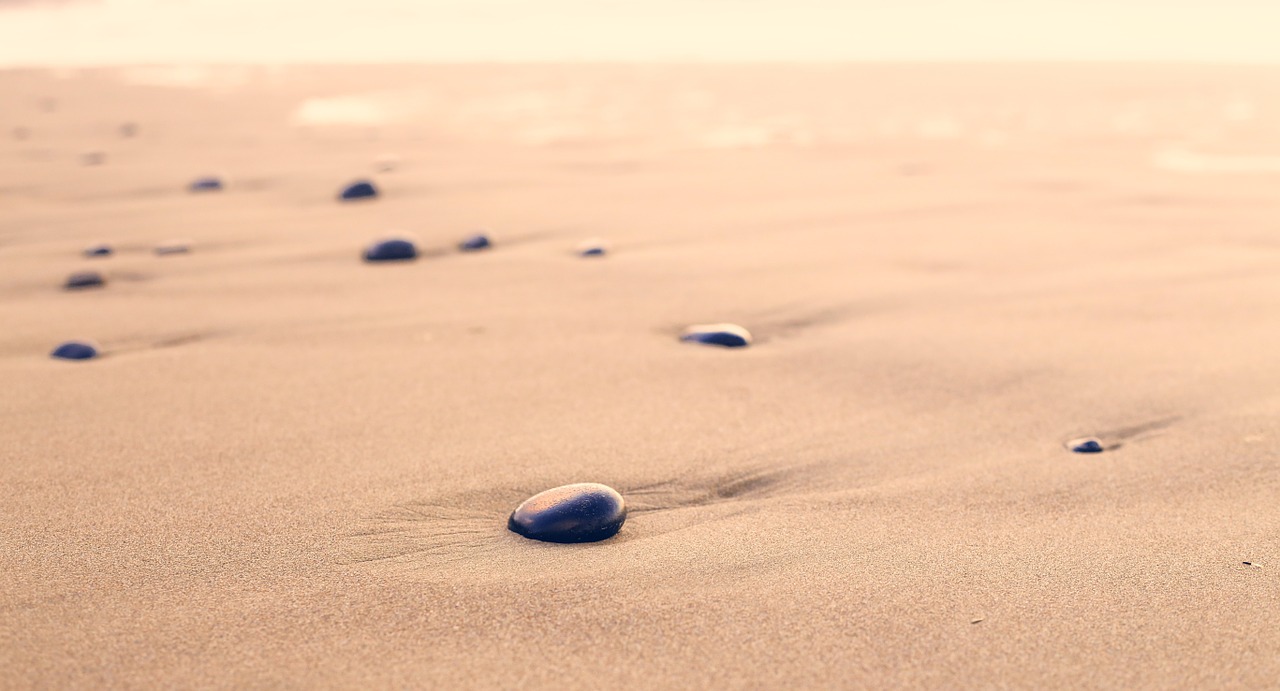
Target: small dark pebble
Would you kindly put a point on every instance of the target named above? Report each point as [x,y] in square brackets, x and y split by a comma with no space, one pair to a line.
[479,241]
[726,335]
[74,350]
[390,251]
[98,251]
[1086,446]
[584,512]
[84,279]
[360,189]
[591,248]
[205,184]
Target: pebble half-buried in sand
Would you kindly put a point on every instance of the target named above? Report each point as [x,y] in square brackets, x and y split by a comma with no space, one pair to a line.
[75,350]
[583,512]
[98,251]
[726,335]
[393,250]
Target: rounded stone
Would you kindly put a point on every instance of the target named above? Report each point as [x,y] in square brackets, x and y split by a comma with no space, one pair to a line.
[75,350]
[725,335]
[1086,445]
[98,251]
[583,512]
[84,279]
[591,248]
[391,251]
[205,184]
[479,241]
[360,189]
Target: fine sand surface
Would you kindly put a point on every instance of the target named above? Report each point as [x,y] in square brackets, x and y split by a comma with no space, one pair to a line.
[295,469]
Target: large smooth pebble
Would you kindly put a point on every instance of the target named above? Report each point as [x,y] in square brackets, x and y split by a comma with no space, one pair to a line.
[390,251]
[583,512]
[726,335]
[74,350]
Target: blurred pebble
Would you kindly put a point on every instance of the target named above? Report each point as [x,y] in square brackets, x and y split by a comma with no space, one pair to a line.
[390,250]
[727,335]
[84,279]
[74,350]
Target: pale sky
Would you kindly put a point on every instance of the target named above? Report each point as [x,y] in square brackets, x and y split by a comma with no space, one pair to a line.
[67,32]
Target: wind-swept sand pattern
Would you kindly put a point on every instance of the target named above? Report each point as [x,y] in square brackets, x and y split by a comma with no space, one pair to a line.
[292,468]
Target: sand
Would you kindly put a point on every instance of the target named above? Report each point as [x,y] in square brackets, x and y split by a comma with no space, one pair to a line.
[294,469]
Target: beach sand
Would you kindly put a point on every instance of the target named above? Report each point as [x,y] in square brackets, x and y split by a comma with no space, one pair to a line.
[291,468]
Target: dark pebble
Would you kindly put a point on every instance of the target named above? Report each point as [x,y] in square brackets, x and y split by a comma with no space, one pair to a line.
[1086,446]
[584,512]
[84,279]
[726,335]
[360,189]
[74,350]
[205,184]
[98,251]
[390,251]
[479,241]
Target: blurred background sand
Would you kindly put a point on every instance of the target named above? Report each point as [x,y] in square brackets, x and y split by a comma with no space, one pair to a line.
[294,469]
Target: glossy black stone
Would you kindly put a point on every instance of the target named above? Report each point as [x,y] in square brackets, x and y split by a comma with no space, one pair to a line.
[591,251]
[584,512]
[360,189]
[98,251]
[479,241]
[724,335]
[205,184]
[1086,446]
[390,251]
[74,350]
[84,279]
